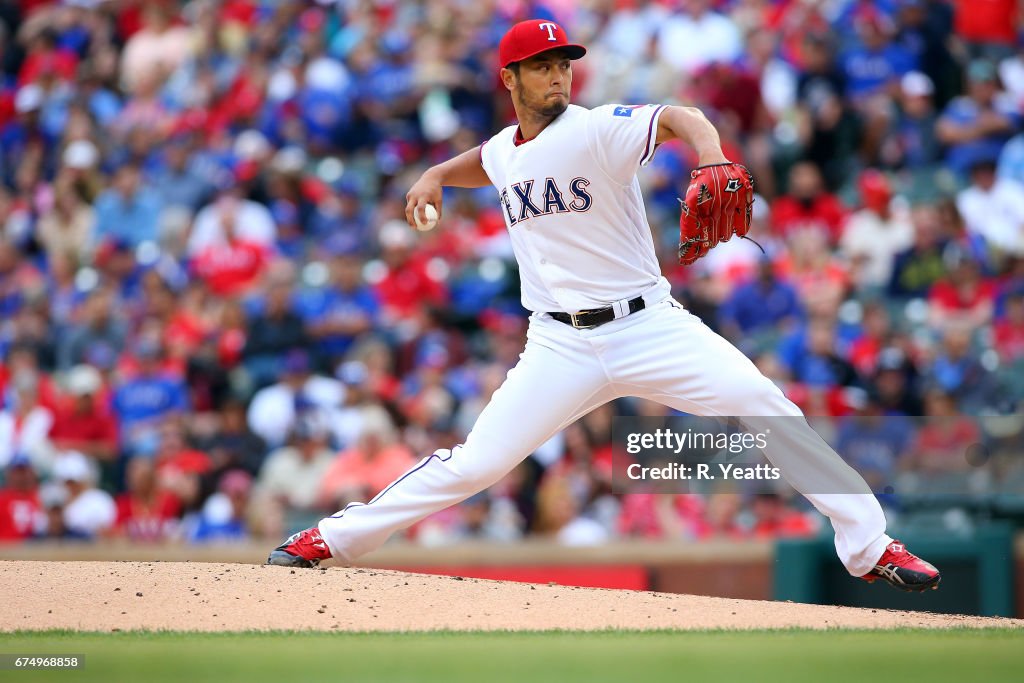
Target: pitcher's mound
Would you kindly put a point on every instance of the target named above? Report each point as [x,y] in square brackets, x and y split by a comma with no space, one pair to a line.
[103,596]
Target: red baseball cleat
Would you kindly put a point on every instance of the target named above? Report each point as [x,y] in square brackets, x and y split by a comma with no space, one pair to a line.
[904,570]
[304,549]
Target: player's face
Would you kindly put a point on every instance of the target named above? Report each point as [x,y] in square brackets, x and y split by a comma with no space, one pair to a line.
[544,83]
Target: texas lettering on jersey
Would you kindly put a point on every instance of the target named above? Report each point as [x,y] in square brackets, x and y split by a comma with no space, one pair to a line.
[523,203]
[573,206]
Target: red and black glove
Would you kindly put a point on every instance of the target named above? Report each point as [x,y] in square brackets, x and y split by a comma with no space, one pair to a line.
[718,205]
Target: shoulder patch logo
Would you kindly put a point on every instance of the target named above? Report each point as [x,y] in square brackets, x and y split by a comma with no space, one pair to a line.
[733,185]
[627,112]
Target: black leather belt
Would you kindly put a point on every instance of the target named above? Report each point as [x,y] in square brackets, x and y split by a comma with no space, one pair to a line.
[585,320]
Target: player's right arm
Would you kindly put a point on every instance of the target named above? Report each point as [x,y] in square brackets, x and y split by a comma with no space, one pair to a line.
[465,170]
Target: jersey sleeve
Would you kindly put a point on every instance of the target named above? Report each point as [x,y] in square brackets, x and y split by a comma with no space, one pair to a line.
[486,161]
[622,138]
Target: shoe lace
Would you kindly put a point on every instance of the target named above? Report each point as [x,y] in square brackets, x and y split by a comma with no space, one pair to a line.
[901,559]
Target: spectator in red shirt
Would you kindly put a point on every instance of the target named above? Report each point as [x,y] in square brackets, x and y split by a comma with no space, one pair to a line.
[1009,330]
[819,277]
[45,58]
[808,206]
[721,517]
[875,332]
[407,281]
[231,268]
[987,25]
[145,512]
[660,516]
[175,455]
[83,423]
[942,442]
[19,501]
[231,334]
[180,468]
[772,519]
[734,92]
[963,298]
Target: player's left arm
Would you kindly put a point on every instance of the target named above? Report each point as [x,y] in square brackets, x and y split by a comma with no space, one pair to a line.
[691,126]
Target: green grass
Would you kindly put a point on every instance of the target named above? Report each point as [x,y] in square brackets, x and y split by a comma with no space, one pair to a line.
[615,656]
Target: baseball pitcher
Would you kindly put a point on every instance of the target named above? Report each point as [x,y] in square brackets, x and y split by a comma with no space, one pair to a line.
[603,323]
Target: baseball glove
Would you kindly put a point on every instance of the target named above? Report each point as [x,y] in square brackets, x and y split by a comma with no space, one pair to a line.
[718,205]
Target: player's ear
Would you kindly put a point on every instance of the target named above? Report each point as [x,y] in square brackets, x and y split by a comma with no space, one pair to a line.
[508,78]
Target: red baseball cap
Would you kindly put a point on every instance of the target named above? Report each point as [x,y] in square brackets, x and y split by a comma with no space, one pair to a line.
[531,37]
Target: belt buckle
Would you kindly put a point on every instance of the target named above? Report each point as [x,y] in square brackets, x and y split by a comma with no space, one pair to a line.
[574,317]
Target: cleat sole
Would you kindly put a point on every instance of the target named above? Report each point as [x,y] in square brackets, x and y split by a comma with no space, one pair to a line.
[282,559]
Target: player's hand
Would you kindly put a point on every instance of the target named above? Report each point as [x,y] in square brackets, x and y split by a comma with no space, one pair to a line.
[718,205]
[426,190]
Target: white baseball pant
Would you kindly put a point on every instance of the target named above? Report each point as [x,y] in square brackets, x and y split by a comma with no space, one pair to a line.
[663,353]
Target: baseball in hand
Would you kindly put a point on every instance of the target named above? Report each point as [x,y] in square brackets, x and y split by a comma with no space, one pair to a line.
[431,213]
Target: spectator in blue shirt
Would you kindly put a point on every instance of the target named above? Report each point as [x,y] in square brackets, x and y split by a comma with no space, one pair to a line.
[24,133]
[148,398]
[911,141]
[976,126]
[178,183]
[98,334]
[339,220]
[874,62]
[924,29]
[223,516]
[273,332]
[818,363]
[336,315]
[958,372]
[103,103]
[1011,160]
[873,444]
[765,302]
[128,211]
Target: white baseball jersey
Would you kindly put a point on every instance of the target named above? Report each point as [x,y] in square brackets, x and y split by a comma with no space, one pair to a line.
[573,206]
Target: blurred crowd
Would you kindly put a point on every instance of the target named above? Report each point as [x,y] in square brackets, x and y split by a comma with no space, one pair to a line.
[216,325]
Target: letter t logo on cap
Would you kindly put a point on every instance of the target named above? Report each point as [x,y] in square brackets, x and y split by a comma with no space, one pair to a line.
[550,29]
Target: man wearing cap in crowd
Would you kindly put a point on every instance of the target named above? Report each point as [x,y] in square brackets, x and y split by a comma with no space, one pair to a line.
[911,141]
[874,235]
[180,183]
[148,398]
[84,423]
[275,409]
[88,510]
[274,331]
[97,333]
[250,220]
[25,424]
[291,475]
[407,282]
[335,315]
[129,210]
[20,510]
[993,208]
[24,134]
[975,126]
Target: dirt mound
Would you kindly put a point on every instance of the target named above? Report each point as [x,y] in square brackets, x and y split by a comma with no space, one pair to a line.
[105,596]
